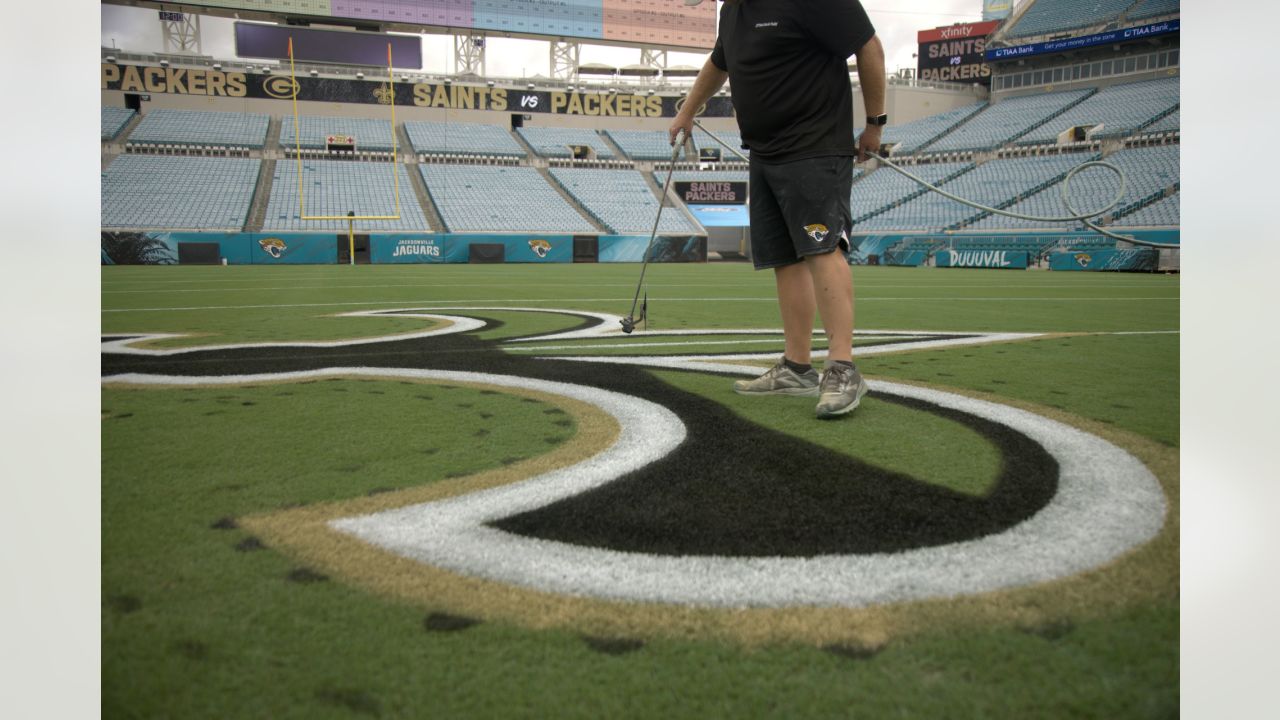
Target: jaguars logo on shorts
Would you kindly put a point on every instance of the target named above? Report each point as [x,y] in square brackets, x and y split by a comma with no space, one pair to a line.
[816,231]
[540,247]
[274,247]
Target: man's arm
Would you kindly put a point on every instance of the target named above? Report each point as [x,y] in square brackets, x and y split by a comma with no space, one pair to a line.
[871,77]
[710,80]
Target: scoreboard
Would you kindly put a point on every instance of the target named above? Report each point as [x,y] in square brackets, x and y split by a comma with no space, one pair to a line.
[954,53]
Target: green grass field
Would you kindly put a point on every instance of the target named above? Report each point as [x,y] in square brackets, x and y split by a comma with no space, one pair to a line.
[202,617]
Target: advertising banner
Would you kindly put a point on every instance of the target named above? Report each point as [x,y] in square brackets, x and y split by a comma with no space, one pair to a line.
[666,248]
[217,83]
[1140,259]
[1012,259]
[1122,35]
[419,248]
[706,192]
[954,53]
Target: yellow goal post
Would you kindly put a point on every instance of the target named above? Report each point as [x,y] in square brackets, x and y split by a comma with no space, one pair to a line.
[395,170]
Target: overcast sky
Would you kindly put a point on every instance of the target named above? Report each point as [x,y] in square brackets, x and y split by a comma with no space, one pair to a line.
[138,30]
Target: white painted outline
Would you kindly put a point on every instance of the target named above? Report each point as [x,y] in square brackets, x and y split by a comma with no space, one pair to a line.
[1107,503]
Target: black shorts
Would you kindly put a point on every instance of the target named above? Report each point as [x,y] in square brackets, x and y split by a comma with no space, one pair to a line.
[799,208]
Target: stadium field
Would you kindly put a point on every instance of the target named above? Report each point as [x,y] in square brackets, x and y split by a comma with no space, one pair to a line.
[460,491]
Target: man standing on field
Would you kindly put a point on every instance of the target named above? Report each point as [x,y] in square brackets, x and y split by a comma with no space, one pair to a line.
[787,60]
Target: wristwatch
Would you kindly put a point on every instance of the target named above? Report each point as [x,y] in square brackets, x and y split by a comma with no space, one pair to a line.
[880,119]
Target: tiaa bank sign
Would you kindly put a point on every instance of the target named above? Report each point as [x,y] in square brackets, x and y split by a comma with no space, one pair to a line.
[1013,259]
[407,249]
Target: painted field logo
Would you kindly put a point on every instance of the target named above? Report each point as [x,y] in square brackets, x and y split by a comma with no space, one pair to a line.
[540,247]
[274,247]
[817,231]
[424,248]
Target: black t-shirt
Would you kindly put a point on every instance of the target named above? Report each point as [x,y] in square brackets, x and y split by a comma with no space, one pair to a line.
[787,64]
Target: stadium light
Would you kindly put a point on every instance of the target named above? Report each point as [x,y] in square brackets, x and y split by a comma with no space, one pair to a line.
[315,73]
[164,63]
[217,66]
[111,58]
[529,86]
[448,81]
[569,88]
[359,76]
[490,83]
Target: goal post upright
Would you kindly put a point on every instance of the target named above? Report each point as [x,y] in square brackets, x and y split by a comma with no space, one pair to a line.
[395,148]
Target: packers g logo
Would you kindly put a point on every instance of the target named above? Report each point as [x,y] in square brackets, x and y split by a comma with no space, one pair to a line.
[680,104]
[1084,259]
[274,247]
[540,247]
[280,87]
[817,231]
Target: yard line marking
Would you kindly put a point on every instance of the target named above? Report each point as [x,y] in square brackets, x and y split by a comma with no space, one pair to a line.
[770,298]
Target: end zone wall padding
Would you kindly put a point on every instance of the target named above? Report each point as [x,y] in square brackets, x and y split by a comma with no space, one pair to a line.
[486,253]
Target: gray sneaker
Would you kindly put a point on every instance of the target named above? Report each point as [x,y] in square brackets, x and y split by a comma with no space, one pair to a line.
[840,390]
[780,380]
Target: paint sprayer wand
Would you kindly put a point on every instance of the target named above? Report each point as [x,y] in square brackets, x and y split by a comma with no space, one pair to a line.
[629,322]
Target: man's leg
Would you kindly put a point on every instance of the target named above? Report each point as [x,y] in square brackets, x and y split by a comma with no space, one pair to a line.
[796,302]
[832,288]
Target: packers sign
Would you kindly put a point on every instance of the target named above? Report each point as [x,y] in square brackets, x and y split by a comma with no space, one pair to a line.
[954,54]
[215,83]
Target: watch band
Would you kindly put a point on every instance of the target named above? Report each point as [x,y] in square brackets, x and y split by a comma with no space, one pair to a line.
[880,119]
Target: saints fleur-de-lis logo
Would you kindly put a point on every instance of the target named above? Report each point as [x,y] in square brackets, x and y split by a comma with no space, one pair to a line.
[384,94]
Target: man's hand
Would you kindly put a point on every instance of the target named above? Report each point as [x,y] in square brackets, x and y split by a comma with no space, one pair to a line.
[868,142]
[682,121]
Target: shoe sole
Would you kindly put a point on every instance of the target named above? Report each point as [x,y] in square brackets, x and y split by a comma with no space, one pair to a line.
[793,392]
[857,400]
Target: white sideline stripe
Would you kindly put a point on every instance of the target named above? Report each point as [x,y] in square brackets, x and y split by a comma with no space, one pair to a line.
[769,341]
[769,298]
[716,363]
[1107,503]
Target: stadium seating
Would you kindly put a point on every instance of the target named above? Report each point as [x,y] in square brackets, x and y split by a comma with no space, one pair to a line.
[1120,109]
[886,187]
[1147,171]
[917,135]
[189,193]
[370,134]
[621,200]
[114,119]
[554,142]
[732,138]
[1165,212]
[1055,16]
[990,184]
[461,138]
[643,144]
[1154,8]
[705,175]
[1007,120]
[334,187]
[196,127]
[481,198]
[1169,123]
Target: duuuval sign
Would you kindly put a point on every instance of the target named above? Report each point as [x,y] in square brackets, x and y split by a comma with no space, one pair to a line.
[983,258]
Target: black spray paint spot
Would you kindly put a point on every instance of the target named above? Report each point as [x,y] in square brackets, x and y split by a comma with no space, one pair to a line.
[305,576]
[612,646]
[444,622]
